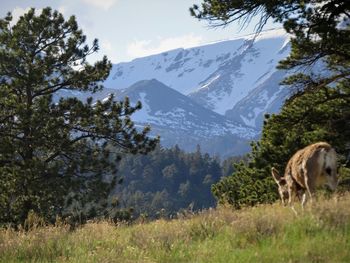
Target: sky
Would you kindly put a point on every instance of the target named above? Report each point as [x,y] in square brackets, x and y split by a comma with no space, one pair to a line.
[128,29]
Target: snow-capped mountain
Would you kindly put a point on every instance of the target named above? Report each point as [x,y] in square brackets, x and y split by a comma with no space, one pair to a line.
[180,120]
[214,95]
[223,76]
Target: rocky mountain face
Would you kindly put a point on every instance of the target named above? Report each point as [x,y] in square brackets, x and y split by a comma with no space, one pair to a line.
[214,95]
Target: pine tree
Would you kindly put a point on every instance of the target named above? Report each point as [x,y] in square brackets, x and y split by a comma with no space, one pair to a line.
[56,153]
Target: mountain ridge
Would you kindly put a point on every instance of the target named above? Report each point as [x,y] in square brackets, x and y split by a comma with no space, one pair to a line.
[214,95]
[218,75]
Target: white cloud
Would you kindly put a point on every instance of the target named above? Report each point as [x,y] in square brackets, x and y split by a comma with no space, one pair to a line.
[107,49]
[104,4]
[62,9]
[144,48]
[106,45]
[17,12]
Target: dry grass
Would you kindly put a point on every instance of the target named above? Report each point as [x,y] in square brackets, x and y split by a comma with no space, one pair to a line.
[266,233]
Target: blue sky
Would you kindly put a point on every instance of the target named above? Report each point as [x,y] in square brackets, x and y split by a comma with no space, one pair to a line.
[127,29]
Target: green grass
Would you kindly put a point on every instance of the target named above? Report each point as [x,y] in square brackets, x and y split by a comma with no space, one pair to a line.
[267,233]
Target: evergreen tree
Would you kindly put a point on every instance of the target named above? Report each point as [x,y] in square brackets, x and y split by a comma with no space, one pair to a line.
[54,155]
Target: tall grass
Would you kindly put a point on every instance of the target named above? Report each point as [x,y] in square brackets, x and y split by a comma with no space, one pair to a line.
[266,233]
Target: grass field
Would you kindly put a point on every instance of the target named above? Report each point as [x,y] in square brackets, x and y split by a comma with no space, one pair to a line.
[267,233]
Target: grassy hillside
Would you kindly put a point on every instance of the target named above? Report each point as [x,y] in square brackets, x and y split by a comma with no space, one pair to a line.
[268,233]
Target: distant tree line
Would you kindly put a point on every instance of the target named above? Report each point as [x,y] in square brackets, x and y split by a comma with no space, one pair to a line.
[167,181]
